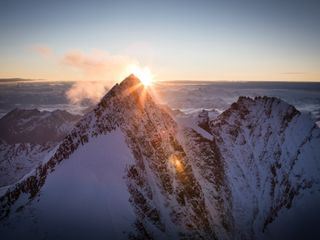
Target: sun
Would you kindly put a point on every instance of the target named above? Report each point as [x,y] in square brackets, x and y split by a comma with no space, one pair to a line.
[144,74]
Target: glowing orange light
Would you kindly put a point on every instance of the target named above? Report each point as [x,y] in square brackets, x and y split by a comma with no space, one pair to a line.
[175,161]
[144,74]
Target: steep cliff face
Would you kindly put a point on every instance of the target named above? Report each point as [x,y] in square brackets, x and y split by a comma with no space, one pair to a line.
[129,170]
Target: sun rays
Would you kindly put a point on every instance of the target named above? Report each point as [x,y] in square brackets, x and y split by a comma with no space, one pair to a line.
[143,73]
[145,86]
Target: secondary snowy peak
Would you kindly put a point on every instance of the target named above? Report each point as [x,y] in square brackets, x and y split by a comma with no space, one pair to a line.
[271,153]
[248,109]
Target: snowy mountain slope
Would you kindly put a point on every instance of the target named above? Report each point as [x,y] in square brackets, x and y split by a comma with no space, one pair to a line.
[82,199]
[18,159]
[27,136]
[129,170]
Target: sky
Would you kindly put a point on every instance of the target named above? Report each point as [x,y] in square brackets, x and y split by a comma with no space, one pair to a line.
[176,40]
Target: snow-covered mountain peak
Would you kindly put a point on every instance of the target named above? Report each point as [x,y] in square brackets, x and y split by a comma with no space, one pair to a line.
[251,112]
[267,105]
[130,91]
[129,85]
[131,80]
[148,163]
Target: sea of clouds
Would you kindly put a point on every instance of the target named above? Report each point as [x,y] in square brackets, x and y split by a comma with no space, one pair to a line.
[76,97]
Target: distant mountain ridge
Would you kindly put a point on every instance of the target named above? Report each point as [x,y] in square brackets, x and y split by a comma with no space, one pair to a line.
[8,80]
[34,126]
[129,170]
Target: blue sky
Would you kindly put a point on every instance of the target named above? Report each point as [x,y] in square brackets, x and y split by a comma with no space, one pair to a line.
[195,40]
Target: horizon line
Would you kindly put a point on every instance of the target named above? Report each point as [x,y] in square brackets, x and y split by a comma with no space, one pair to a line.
[20,79]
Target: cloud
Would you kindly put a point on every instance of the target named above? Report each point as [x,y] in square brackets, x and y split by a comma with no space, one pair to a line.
[293,73]
[84,90]
[43,51]
[98,64]
[95,65]
[99,69]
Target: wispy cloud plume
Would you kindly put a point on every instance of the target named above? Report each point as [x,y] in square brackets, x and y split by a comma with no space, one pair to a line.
[85,90]
[99,69]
